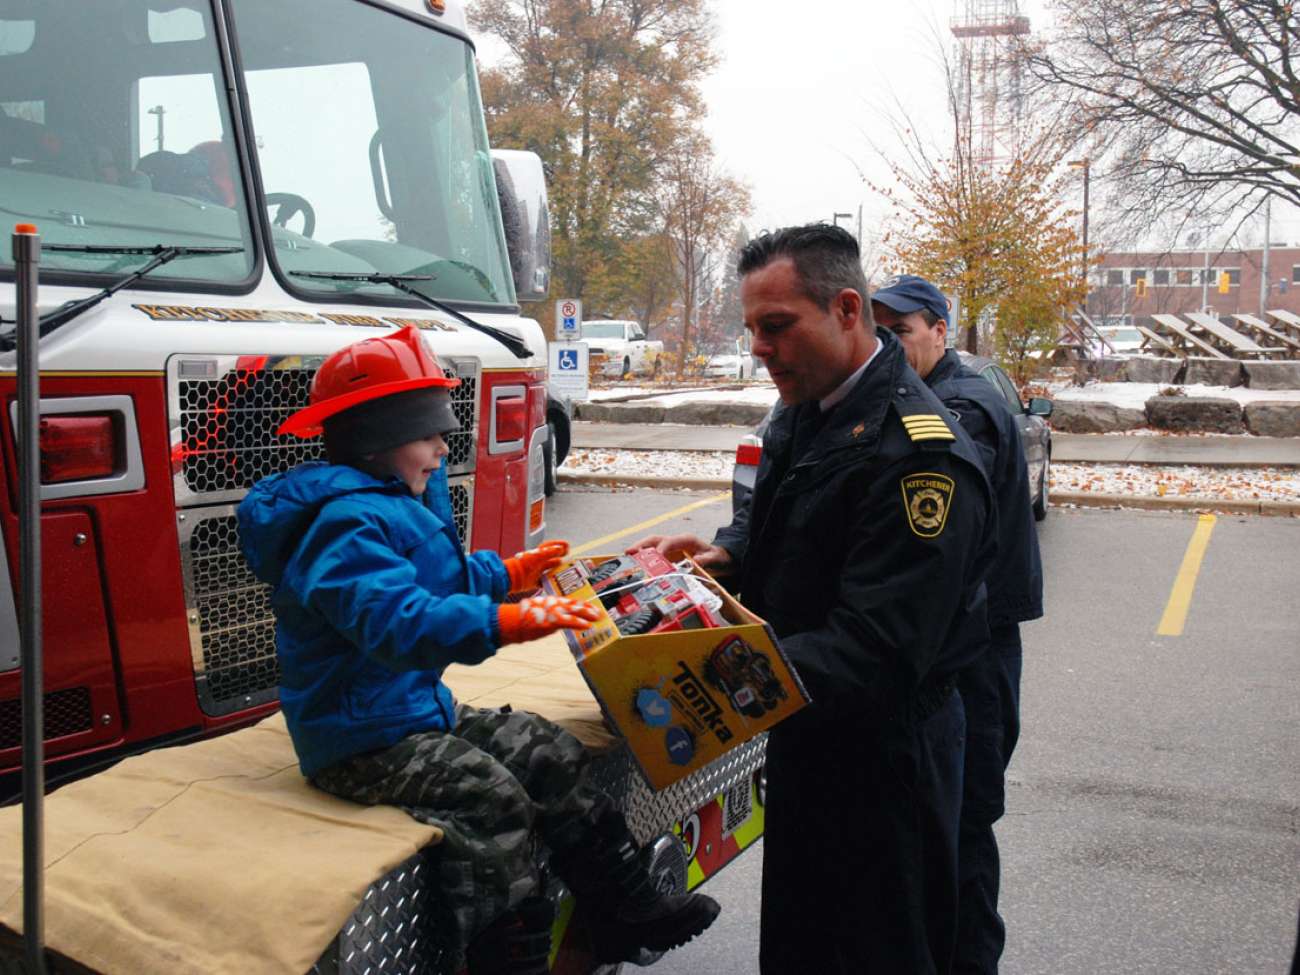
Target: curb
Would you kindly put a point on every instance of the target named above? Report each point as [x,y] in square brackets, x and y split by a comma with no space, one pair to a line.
[1081,499]
[648,481]
[1087,499]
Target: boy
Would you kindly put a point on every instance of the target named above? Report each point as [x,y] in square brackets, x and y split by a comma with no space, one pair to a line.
[374,596]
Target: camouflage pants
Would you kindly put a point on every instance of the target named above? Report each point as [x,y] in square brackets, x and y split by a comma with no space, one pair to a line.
[488,785]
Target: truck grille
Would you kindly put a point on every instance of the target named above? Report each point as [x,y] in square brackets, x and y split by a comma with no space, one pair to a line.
[225,411]
[232,627]
[67,712]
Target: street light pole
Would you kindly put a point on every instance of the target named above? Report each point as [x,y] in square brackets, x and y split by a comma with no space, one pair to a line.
[1086,166]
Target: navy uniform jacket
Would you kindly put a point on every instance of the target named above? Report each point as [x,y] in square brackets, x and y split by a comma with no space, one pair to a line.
[1016,582]
[866,550]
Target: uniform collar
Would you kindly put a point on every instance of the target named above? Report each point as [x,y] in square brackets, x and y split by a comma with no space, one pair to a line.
[838,395]
[948,367]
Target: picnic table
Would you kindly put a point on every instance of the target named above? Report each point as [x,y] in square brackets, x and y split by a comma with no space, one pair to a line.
[1182,337]
[1237,345]
[1158,343]
[1287,319]
[1289,345]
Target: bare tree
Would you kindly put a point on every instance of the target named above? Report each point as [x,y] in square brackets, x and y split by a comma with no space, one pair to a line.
[701,206]
[1189,108]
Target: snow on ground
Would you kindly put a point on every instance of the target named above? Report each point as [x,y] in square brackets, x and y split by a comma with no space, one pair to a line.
[1135,395]
[757,393]
[1145,480]
[651,463]
[1183,481]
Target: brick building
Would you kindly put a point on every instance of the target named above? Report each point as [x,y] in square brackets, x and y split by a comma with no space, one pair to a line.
[1183,281]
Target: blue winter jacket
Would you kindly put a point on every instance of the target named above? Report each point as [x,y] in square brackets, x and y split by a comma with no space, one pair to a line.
[373,597]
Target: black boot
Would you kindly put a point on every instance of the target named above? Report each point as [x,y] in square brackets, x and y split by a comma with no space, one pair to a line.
[517,943]
[628,912]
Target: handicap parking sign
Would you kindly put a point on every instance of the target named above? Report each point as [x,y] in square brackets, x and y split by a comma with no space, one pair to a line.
[566,369]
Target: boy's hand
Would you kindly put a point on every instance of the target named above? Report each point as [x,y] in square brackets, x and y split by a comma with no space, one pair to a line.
[537,616]
[526,568]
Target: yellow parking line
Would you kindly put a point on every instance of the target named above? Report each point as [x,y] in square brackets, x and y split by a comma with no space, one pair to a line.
[1180,597]
[596,543]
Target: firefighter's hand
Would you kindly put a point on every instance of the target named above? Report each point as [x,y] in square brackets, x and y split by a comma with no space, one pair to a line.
[526,568]
[673,547]
[536,616]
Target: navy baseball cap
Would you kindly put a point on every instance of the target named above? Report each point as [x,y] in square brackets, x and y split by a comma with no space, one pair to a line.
[907,293]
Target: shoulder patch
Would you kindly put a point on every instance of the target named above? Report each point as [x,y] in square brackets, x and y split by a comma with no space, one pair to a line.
[926,500]
[921,427]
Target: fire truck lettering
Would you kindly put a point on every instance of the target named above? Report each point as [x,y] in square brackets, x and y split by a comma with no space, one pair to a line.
[353,320]
[170,313]
[427,324]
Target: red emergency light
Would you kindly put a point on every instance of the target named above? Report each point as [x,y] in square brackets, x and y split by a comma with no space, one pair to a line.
[77,447]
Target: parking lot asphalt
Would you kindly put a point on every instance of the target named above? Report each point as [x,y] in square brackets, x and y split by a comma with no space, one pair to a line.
[1153,820]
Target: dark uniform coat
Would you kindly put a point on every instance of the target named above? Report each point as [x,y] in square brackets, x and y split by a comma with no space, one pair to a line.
[990,686]
[864,545]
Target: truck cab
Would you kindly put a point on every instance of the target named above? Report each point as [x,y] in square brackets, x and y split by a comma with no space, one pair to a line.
[292,177]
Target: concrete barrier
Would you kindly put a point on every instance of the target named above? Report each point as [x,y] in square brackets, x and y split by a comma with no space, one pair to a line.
[1203,414]
[1086,416]
[1213,372]
[1273,375]
[1273,418]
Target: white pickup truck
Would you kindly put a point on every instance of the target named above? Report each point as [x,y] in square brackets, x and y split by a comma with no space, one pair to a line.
[618,348]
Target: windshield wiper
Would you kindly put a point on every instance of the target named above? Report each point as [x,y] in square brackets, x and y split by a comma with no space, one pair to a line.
[162,254]
[400,282]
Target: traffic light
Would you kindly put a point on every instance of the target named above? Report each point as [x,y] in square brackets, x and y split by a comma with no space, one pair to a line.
[1224,282]
[1141,287]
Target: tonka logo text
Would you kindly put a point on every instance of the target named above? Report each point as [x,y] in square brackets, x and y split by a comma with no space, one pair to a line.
[693,699]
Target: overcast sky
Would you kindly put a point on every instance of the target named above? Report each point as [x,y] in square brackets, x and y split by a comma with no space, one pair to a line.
[805,89]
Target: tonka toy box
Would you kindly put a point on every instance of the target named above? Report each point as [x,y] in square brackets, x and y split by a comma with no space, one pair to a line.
[680,668]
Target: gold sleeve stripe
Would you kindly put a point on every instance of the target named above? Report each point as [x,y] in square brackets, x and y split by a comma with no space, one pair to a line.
[927,425]
[918,437]
[920,417]
[929,428]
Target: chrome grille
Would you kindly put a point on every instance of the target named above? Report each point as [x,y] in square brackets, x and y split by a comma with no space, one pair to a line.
[232,626]
[225,411]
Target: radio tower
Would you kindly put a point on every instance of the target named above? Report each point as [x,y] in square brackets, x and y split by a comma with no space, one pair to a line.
[989,93]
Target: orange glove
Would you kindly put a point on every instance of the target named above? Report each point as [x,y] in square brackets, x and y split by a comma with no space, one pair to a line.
[526,568]
[536,616]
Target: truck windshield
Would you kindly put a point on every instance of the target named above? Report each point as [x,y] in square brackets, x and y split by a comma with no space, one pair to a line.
[373,151]
[602,330]
[115,130]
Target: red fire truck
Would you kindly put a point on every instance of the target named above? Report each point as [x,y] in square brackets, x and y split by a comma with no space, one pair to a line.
[226,193]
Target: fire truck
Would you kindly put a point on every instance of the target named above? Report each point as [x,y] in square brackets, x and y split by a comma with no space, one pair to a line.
[227,191]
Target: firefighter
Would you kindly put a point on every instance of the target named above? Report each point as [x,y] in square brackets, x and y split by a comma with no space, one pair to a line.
[374,597]
[864,545]
[917,312]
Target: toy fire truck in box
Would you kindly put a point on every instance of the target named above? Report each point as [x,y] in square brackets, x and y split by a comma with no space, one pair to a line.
[681,669]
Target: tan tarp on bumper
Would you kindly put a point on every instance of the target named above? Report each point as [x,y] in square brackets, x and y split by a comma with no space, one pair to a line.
[218,857]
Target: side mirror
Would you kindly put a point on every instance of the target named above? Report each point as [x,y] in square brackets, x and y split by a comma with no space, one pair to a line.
[1040,407]
[526,218]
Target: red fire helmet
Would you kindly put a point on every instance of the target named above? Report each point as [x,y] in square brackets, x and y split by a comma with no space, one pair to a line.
[366,371]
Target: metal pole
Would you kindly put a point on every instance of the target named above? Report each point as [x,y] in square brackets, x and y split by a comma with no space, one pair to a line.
[1264,270]
[1087,167]
[27,257]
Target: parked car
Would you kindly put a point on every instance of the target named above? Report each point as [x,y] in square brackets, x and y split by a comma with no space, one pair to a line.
[559,420]
[727,366]
[1031,419]
[620,348]
[731,365]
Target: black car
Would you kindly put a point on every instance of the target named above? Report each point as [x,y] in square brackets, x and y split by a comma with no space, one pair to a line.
[1035,436]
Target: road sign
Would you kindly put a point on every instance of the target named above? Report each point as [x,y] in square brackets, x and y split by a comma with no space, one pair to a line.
[566,369]
[568,319]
